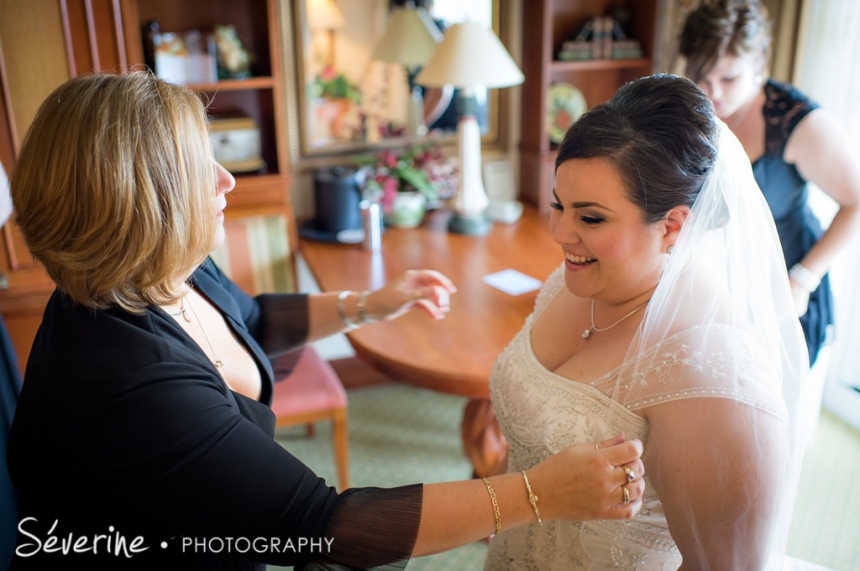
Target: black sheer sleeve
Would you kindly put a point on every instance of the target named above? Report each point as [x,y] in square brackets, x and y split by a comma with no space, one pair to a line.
[373,528]
[283,324]
[277,322]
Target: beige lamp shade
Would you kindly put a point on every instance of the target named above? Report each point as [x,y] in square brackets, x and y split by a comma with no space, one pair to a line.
[324,15]
[410,38]
[470,54]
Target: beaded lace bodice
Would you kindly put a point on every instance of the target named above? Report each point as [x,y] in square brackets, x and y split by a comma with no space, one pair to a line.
[541,413]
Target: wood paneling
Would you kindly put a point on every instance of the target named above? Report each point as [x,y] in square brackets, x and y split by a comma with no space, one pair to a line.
[94,36]
[34,53]
[33,62]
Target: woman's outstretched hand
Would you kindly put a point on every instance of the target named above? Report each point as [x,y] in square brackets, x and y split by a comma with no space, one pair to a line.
[584,482]
[427,290]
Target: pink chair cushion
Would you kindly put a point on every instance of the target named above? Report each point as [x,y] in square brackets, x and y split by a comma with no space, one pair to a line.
[312,386]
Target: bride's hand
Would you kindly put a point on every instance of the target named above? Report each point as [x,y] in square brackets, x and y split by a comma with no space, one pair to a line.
[584,483]
[427,290]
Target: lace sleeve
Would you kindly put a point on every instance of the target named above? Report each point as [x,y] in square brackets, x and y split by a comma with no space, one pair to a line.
[719,361]
[784,108]
[372,528]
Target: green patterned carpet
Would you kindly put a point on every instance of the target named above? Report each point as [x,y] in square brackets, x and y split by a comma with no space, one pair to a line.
[400,435]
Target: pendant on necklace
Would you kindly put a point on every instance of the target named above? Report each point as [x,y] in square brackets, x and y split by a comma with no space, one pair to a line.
[185,315]
[218,363]
[587,332]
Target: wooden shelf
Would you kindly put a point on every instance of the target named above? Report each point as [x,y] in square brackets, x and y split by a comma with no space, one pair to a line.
[234,84]
[599,64]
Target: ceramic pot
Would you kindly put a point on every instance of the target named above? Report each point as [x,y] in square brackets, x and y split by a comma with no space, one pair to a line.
[407,211]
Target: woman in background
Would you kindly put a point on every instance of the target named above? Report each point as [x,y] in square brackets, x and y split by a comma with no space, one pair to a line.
[145,408]
[790,141]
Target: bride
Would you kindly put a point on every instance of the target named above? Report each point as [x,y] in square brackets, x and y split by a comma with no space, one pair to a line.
[670,319]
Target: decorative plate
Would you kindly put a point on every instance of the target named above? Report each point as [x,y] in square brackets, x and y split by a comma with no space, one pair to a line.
[565,103]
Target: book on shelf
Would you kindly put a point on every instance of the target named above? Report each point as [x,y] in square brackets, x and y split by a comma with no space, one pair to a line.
[575,51]
[599,38]
[626,49]
[607,23]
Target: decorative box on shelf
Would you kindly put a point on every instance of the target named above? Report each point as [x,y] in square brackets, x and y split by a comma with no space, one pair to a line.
[185,58]
[236,142]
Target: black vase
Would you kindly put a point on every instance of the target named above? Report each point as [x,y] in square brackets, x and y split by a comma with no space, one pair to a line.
[336,201]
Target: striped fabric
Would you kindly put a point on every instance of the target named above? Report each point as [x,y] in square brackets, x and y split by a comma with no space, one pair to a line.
[256,254]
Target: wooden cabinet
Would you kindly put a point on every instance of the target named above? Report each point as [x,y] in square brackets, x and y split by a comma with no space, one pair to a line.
[261,96]
[546,25]
[76,37]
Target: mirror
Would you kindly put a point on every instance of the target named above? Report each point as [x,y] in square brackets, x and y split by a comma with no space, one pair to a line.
[343,101]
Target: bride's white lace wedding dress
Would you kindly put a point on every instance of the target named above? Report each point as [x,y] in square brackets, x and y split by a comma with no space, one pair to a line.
[541,413]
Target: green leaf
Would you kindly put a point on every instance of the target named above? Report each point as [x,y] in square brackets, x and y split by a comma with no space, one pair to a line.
[419,180]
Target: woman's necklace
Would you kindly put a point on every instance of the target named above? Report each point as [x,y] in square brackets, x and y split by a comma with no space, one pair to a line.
[182,311]
[595,329]
[218,362]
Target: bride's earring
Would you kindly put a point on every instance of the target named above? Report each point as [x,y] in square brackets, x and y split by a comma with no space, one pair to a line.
[670,249]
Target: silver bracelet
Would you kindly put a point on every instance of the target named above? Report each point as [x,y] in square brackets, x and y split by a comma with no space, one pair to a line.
[801,275]
[341,309]
[362,308]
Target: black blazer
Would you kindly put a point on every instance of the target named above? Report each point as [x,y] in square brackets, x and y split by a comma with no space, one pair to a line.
[124,429]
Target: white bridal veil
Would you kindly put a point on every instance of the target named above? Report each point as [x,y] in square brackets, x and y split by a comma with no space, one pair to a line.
[721,327]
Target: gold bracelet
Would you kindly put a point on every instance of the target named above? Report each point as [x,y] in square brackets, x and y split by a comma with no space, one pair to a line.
[533,499]
[495,505]
[341,309]
[362,308]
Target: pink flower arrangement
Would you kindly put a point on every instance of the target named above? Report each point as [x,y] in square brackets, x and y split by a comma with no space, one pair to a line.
[422,168]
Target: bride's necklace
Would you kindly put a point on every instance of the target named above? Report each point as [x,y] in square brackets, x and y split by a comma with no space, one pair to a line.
[595,329]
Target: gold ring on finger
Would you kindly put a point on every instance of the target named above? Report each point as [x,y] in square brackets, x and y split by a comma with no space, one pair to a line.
[630,474]
[626,497]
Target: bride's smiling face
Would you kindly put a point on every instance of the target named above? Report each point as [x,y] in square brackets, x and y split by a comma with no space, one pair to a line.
[611,254]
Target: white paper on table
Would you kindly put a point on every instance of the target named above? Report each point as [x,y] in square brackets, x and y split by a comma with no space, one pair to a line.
[512,282]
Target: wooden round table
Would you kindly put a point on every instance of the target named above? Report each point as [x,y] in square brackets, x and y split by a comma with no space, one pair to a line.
[454,355]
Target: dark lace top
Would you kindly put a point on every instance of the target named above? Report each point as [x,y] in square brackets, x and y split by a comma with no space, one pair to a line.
[787,194]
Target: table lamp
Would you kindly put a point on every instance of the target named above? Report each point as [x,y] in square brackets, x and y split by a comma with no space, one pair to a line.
[325,16]
[410,39]
[470,55]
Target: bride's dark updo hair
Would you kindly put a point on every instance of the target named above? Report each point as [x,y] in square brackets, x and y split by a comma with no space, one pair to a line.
[660,136]
[739,28]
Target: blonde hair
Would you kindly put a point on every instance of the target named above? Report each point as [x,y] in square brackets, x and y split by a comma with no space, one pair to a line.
[114,189]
